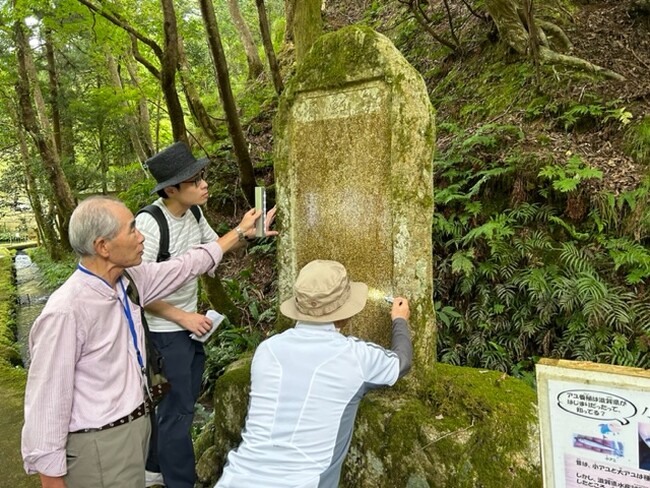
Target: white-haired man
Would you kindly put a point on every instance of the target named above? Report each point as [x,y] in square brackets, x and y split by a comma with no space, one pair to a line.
[86,404]
[306,385]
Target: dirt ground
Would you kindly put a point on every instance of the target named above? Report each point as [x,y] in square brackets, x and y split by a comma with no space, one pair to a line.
[612,34]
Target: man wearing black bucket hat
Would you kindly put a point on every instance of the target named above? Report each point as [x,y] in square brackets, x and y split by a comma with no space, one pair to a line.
[307,382]
[181,188]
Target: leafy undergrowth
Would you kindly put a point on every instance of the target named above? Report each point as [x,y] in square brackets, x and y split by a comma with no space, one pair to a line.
[541,185]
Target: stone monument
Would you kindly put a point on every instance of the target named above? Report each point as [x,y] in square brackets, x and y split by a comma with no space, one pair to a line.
[354,139]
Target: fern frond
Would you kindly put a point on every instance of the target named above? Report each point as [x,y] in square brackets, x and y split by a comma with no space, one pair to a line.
[575,258]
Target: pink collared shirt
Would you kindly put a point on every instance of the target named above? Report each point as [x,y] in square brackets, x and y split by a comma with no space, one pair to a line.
[84,371]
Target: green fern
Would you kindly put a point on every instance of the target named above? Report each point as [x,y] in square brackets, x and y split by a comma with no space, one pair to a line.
[567,178]
[522,281]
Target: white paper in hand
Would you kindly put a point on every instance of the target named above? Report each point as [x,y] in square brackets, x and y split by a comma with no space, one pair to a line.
[216,318]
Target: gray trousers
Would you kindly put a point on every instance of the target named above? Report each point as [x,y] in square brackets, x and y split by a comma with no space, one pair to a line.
[112,458]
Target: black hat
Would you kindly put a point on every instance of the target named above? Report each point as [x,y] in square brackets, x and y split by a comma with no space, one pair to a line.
[174,165]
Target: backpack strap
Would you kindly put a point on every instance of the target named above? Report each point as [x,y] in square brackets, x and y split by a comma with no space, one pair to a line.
[196,212]
[156,212]
[163,246]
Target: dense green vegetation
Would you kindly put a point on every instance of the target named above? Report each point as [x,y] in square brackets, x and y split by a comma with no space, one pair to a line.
[518,277]
[537,251]
[12,383]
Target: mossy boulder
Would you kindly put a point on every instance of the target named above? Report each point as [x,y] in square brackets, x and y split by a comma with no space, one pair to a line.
[9,352]
[460,428]
[230,406]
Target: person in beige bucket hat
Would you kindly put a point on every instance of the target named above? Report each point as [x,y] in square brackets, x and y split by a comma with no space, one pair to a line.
[307,382]
[324,293]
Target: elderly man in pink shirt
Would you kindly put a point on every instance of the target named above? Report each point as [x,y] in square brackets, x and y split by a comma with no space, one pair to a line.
[86,406]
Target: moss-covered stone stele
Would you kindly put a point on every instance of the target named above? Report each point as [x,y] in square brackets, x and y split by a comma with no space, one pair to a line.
[353,155]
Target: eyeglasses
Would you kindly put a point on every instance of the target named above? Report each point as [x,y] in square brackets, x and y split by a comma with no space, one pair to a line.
[196,179]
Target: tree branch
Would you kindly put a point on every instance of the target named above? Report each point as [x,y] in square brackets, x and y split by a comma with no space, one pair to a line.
[140,59]
[123,24]
[422,19]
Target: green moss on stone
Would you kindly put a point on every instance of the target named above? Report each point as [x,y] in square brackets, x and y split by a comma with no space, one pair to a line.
[334,56]
[207,466]
[9,352]
[461,428]
[204,441]
[230,407]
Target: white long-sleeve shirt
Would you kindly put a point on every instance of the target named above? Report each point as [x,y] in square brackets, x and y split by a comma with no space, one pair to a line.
[184,232]
[306,385]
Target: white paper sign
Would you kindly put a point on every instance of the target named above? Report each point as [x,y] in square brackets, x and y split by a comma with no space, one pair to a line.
[595,425]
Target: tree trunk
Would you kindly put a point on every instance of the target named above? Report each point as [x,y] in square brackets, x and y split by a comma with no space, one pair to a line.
[144,121]
[168,68]
[62,131]
[54,90]
[46,231]
[62,124]
[129,118]
[240,147]
[103,160]
[268,47]
[200,114]
[255,67]
[505,14]
[307,25]
[219,299]
[62,194]
[289,11]
[510,18]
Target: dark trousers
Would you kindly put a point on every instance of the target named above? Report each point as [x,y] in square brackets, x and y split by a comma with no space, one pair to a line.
[184,361]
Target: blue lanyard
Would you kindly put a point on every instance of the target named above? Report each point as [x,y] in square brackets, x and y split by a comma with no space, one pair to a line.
[127,312]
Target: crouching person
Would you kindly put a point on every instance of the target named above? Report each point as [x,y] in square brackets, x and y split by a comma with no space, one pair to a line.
[306,385]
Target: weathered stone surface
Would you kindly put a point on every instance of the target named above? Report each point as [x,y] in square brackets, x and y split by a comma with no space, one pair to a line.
[460,428]
[354,142]
[230,407]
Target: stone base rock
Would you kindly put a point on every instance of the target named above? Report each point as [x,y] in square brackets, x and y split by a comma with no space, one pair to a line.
[460,428]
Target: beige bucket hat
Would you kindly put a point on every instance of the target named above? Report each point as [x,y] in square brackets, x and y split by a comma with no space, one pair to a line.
[324,293]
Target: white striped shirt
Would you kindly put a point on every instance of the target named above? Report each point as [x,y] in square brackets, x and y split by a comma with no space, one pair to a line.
[184,232]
